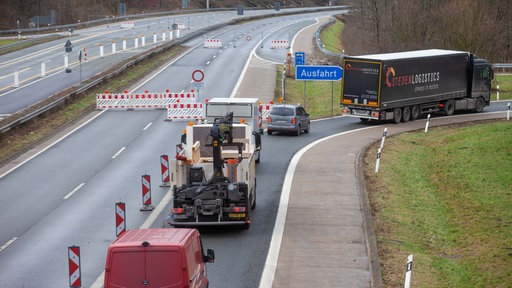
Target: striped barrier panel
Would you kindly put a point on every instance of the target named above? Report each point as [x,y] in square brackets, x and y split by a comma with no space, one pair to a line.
[127,24]
[173,98]
[212,43]
[265,110]
[113,101]
[147,101]
[185,111]
[280,44]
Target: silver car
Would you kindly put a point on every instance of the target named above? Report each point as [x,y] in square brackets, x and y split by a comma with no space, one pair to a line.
[288,118]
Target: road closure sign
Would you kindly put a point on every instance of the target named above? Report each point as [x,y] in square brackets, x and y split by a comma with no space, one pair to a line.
[198,75]
[318,73]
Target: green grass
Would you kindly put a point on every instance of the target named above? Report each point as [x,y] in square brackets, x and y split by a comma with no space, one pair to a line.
[331,37]
[505,83]
[446,198]
[322,98]
[6,41]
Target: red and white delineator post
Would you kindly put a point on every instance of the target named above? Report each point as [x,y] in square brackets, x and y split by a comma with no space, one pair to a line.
[164,165]
[120,218]
[75,278]
[146,194]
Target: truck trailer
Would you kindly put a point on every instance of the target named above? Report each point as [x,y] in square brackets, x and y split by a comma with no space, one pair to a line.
[401,86]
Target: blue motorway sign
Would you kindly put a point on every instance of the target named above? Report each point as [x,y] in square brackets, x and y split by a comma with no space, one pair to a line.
[300,58]
[318,73]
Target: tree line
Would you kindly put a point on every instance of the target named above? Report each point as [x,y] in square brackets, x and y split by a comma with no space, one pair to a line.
[482,27]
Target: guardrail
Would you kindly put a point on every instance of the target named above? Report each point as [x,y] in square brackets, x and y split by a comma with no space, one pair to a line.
[41,107]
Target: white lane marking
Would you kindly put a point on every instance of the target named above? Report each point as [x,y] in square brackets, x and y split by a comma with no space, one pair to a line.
[208,63]
[147,126]
[118,152]
[73,191]
[51,145]
[8,243]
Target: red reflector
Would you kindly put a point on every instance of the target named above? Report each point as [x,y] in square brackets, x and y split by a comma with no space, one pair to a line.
[269,119]
[177,210]
[238,209]
[294,120]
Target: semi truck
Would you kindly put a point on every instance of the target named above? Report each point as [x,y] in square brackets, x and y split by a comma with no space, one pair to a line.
[213,176]
[403,85]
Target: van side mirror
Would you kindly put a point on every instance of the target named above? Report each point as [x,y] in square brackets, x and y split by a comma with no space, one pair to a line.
[210,256]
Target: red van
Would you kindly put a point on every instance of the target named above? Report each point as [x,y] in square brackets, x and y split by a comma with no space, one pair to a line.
[157,258]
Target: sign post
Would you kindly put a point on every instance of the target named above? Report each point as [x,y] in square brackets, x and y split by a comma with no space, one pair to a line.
[198,76]
[120,218]
[75,279]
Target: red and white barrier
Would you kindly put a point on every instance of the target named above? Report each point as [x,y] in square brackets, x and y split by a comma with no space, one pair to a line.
[120,218]
[84,54]
[185,111]
[146,194]
[183,98]
[127,25]
[144,100]
[75,279]
[279,44]
[164,165]
[212,43]
[265,110]
[147,101]
[113,101]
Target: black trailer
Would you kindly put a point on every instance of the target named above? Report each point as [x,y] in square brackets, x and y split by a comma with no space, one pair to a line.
[401,86]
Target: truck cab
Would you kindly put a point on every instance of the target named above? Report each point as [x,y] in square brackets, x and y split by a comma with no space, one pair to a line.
[157,258]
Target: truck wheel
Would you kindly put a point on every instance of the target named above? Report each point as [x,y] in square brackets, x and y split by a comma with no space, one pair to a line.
[269,132]
[397,115]
[415,112]
[406,114]
[258,159]
[479,105]
[298,131]
[449,107]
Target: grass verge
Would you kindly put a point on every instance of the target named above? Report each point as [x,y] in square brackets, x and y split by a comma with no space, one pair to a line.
[320,98]
[505,84]
[444,197]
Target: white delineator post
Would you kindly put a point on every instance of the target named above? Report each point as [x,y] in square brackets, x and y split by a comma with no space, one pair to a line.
[508,111]
[408,272]
[170,34]
[377,162]
[163,36]
[427,123]
[124,43]
[113,47]
[143,40]
[136,42]
[498,92]
[154,37]
[16,79]
[101,50]
[383,137]
[43,69]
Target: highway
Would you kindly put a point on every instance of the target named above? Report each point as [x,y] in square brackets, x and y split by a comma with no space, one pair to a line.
[118,44]
[65,196]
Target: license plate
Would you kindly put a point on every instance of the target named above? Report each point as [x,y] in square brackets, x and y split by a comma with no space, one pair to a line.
[360,112]
[236,215]
[180,216]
